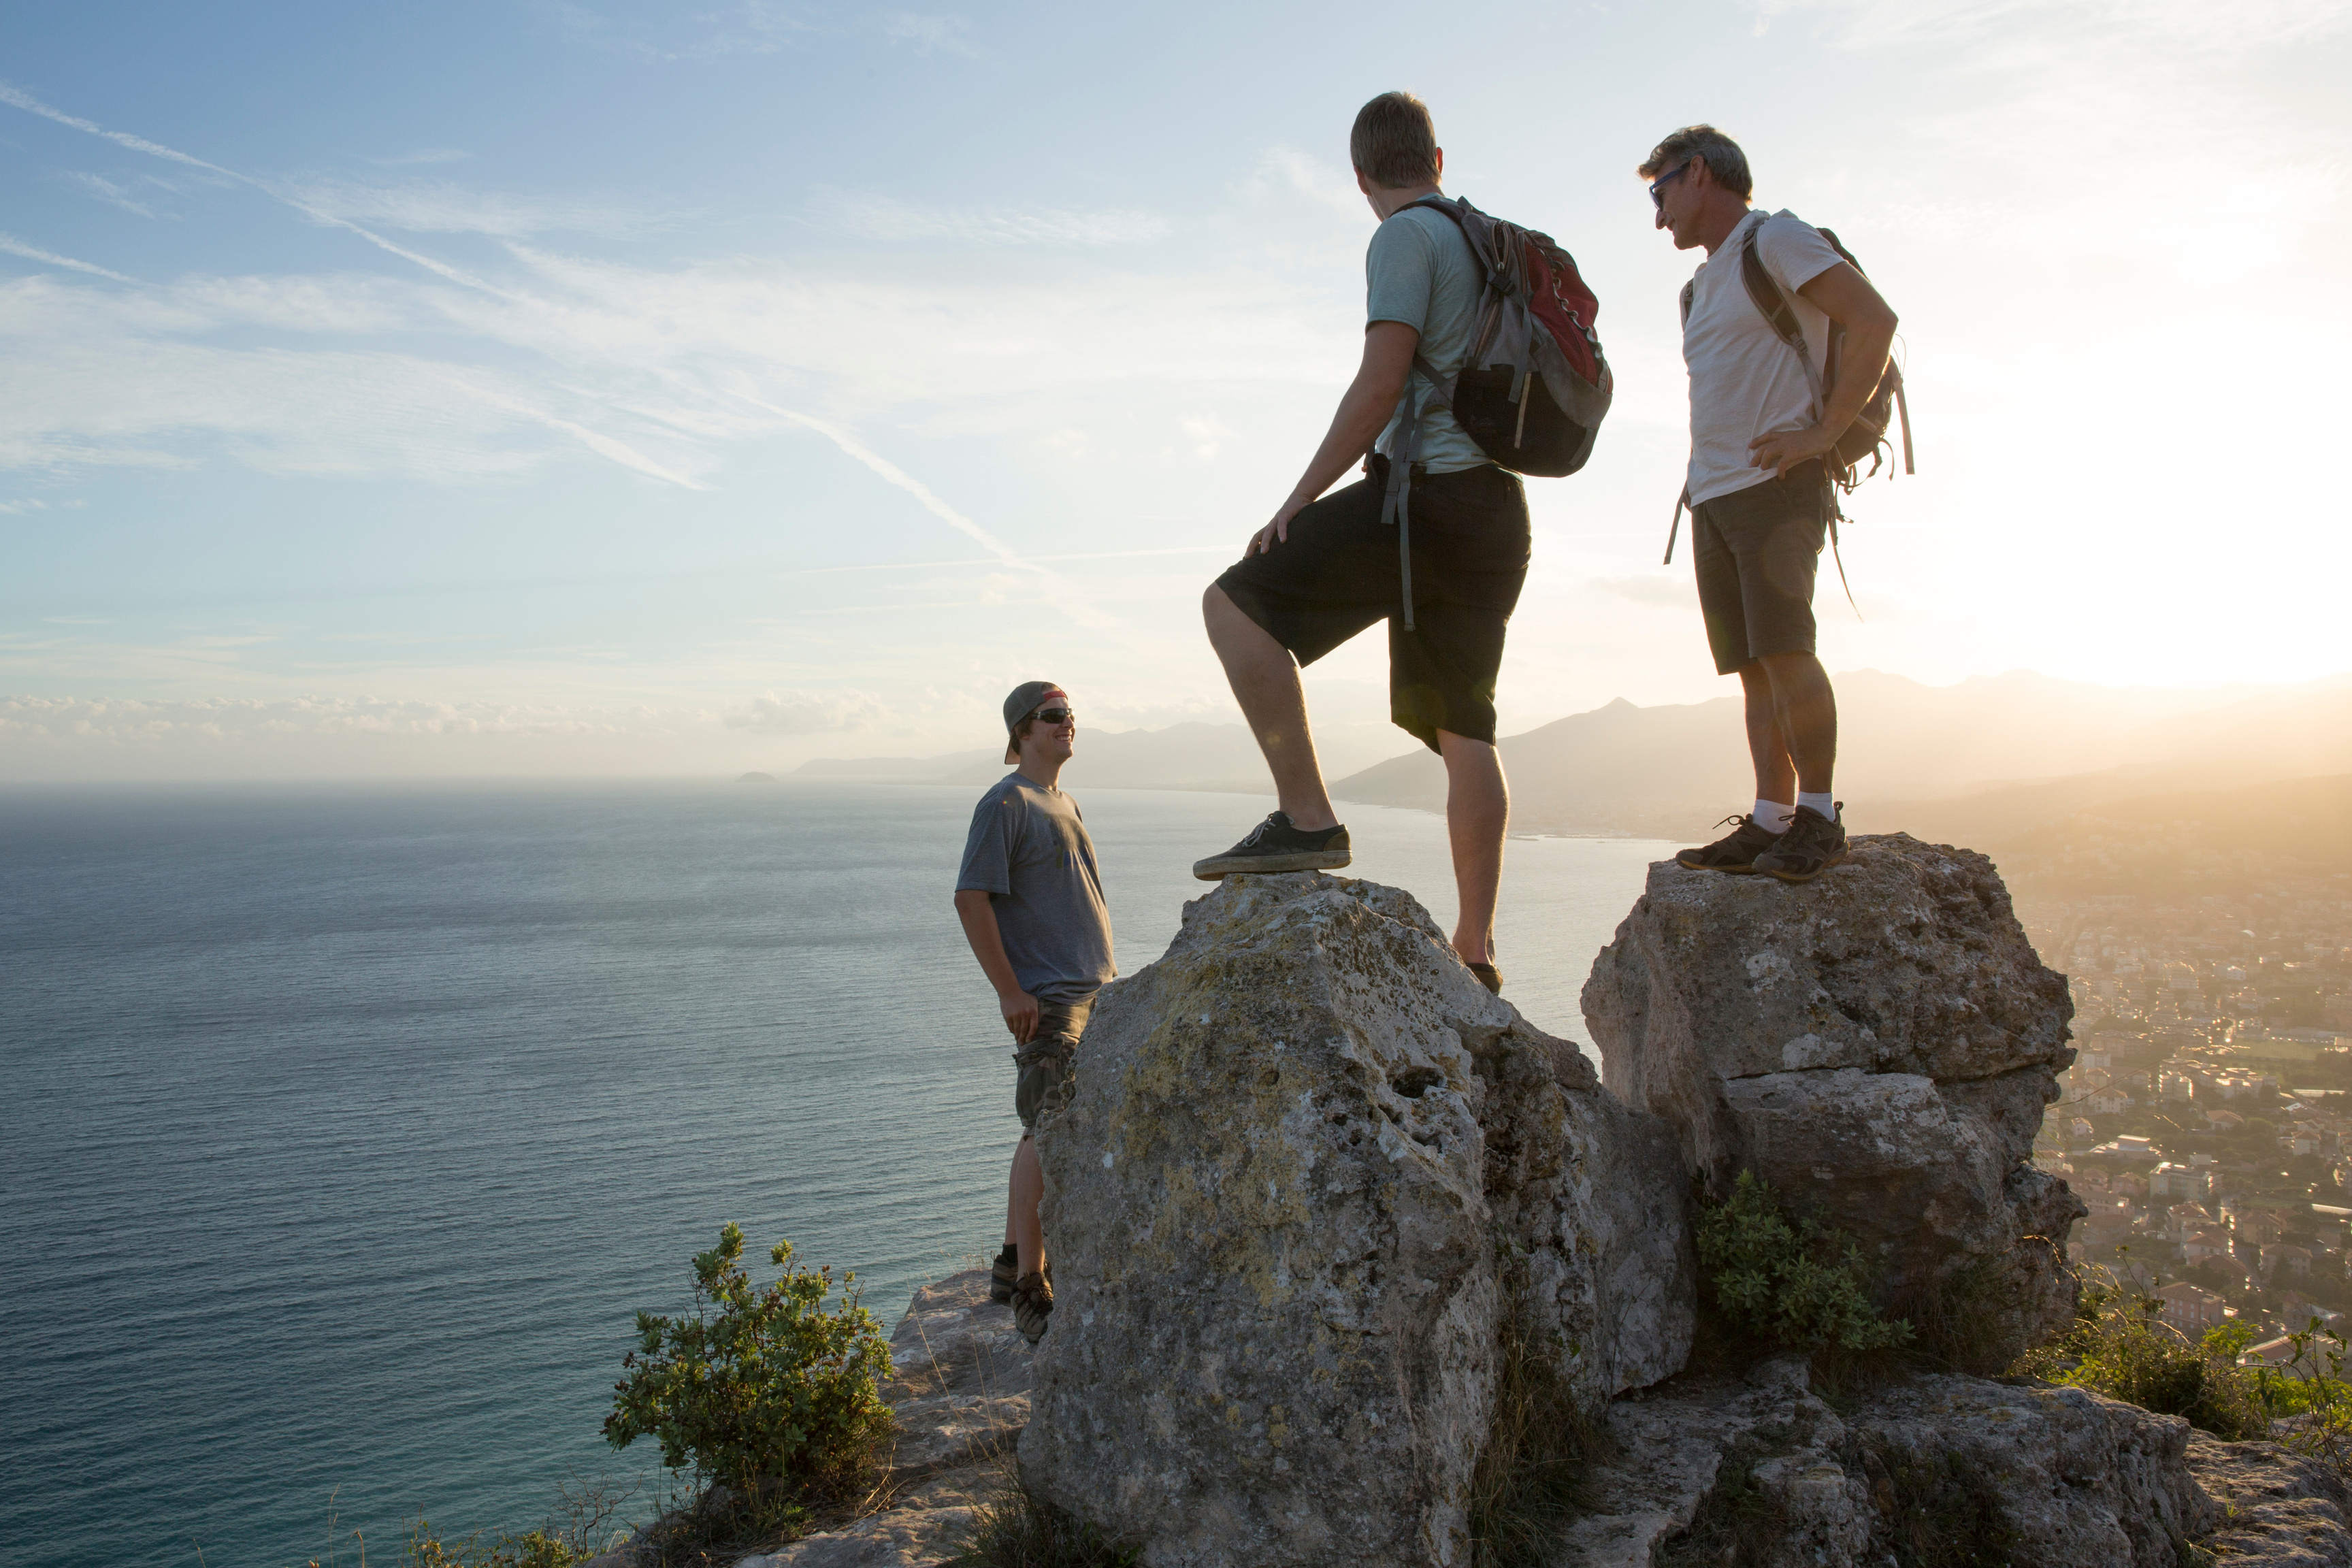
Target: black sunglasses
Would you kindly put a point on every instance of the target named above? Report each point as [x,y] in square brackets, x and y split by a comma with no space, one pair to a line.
[1658,186]
[1055,716]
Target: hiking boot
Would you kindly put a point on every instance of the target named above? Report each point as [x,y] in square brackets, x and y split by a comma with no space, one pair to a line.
[1275,845]
[1005,1271]
[1033,1301]
[1002,1274]
[1735,852]
[1812,845]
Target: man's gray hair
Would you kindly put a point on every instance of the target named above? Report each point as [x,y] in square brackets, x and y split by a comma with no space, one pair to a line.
[1719,153]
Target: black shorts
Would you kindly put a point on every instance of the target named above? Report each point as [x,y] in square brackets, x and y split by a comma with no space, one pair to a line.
[1337,574]
[1756,551]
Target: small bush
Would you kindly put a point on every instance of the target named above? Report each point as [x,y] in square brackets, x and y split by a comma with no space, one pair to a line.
[763,1390]
[1018,1528]
[1788,1280]
[2120,1347]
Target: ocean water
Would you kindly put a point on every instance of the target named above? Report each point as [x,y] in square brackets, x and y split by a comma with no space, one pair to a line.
[342,1129]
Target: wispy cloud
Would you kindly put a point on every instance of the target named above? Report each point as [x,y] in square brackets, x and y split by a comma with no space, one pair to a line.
[422,155]
[20,508]
[868,215]
[746,28]
[930,34]
[807,712]
[437,206]
[113,193]
[14,246]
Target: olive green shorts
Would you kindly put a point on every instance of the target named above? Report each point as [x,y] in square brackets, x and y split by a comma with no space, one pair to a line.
[1047,1064]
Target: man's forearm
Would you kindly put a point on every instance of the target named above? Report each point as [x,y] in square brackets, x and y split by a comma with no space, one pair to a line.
[979,917]
[1363,409]
[1862,360]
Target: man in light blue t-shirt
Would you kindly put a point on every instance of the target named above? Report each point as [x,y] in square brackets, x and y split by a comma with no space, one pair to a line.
[1326,569]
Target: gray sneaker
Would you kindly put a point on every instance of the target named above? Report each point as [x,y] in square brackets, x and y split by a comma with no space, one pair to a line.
[1275,845]
[1735,852]
[1812,845]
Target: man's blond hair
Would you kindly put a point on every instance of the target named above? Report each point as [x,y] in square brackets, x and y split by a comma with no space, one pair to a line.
[1394,144]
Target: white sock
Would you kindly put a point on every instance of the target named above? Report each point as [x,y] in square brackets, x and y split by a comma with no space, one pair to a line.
[1772,817]
[1820,804]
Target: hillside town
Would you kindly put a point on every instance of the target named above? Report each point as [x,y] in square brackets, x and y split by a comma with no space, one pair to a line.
[2205,1120]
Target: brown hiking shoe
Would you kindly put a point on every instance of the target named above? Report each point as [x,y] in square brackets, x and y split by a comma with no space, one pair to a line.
[1812,845]
[1033,1301]
[1735,852]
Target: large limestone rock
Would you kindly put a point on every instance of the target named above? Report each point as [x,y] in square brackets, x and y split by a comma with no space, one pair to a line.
[1758,1471]
[1879,1041]
[1309,1169]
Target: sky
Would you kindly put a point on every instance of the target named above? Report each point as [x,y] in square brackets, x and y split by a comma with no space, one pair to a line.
[546,388]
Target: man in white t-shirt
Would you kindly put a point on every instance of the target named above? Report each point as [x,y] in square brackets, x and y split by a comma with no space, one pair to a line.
[1760,491]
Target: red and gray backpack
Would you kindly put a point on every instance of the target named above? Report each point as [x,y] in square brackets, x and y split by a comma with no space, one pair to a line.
[1534,388]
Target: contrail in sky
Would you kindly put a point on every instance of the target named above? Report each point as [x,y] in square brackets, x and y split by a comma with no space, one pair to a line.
[602,445]
[1069,598]
[14,246]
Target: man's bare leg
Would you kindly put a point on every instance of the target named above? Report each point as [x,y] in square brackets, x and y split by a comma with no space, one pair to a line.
[1767,741]
[1477,809]
[1265,679]
[1808,718]
[1021,1226]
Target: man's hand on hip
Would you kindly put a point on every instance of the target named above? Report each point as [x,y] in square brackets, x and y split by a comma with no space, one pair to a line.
[1784,449]
[1020,1015]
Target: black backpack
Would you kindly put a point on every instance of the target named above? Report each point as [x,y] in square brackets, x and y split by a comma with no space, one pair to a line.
[1867,436]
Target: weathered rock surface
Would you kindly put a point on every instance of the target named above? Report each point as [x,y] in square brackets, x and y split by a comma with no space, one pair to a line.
[1879,1041]
[2021,1473]
[1309,1166]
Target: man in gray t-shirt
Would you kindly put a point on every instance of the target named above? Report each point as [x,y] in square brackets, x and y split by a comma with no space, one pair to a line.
[1326,568]
[1031,902]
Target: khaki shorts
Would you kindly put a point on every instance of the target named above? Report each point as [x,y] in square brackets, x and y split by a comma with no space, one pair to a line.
[1047,1064]
[1756,551]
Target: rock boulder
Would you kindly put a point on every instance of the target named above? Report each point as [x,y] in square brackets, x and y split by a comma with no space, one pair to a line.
[1310,1170]
[1758,1471]
[1879,1043]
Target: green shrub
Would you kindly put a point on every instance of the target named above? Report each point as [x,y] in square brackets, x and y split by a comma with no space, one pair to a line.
[1788,1278]
[763,1390]
[2121,1348]
[536,1549]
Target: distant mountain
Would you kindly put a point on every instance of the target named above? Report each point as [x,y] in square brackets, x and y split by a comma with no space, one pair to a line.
[1907,750]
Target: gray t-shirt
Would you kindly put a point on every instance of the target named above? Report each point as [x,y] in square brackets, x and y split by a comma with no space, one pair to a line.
[1028,850]
[1419,271]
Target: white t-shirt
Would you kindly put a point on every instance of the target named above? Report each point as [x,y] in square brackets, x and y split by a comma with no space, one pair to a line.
[1743,381]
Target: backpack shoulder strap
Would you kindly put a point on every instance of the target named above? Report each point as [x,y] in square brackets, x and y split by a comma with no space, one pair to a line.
[1767,297]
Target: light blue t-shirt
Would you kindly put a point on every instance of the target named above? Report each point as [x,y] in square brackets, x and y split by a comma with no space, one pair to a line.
[1419,271]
